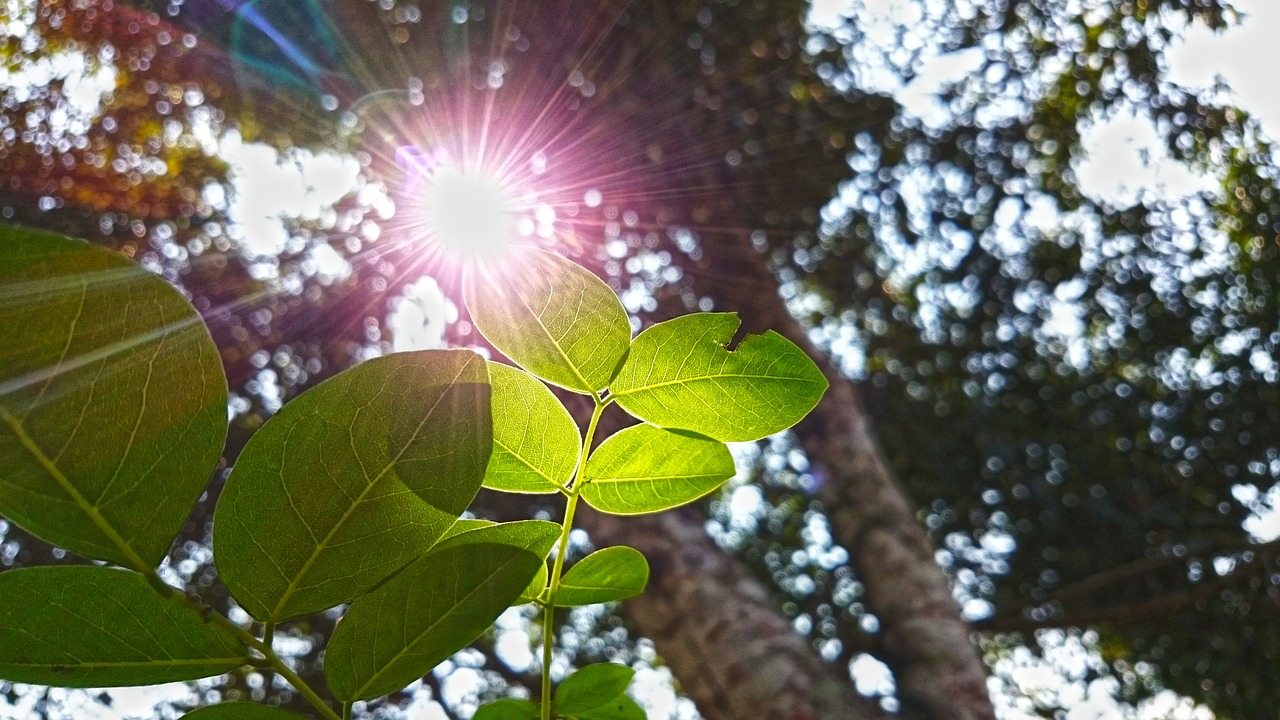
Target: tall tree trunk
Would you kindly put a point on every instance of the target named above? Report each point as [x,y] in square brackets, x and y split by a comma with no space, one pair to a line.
[719,628]
[923,638]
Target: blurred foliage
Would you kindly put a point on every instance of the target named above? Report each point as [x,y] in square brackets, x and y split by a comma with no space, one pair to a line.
[1080,392]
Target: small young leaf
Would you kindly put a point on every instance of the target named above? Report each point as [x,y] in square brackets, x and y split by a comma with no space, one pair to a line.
[679,375]
[433,608]
[591,687]
[353,480]
[552,317]
[507,709]
[608,575]
[241,711]
[113,403]
[535,441]
[619,708]
[645,469]
[89,626]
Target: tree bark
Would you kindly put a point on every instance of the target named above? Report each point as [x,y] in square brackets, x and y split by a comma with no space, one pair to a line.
[923,638]
[719,629]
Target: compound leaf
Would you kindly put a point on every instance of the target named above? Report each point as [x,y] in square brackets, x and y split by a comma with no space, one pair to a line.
[552,317]
[91,626]
[645,469]
[680,375]
[433,608]
[112,400]
[535,440]
[608,575]
[590,687]
[353,480]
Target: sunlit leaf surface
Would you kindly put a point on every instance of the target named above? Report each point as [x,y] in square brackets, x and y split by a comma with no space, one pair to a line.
[644,469]
[608,575]
[591,687]
[552,317]
[353,480]
[85,626]
[434,608]
[535,441]
[681,375]
[112,399]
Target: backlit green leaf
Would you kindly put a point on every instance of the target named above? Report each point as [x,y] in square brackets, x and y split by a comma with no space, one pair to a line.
[433,608]
[680,375]
[608,575]
[90,626]
[507,709]
[645,469]
[113,403]
[241,711]
[591,687]
[352,480]
[550,316]
[535,441]
[619,708]
[536,585]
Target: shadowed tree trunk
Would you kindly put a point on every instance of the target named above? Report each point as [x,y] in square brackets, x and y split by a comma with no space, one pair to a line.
[718,628]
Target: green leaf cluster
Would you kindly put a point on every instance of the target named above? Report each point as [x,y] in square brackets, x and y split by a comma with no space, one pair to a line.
[113,402]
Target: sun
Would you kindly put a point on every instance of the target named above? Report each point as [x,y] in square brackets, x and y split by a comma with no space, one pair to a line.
[468,212]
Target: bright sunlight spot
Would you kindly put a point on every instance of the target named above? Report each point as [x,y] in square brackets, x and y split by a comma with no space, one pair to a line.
[469,213]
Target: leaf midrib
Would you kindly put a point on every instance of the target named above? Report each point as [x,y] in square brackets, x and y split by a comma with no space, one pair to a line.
[616,394]
[386,666]
[107,529]
[292,587]
[651,478]
[528,464]
[556,344]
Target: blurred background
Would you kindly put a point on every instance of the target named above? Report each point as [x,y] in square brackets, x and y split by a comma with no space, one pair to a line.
[1036,245]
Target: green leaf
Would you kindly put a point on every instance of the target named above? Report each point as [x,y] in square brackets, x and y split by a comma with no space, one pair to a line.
[591,687]
[535,587]
[645,469]
[507,709]
[433,608]
[680,375]
[552,317]
[241,711]
[608,575]
[113,403]
[535,440]
[90,626]
[353,480]
[619,708]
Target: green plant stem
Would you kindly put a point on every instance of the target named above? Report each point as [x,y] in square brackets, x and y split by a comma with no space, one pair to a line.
[562,549]
[262,646]
[346,711]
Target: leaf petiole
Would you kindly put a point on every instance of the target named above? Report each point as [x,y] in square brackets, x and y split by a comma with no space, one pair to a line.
[562,549]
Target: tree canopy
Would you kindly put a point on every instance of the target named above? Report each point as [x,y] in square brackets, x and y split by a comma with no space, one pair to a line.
[1053,408]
